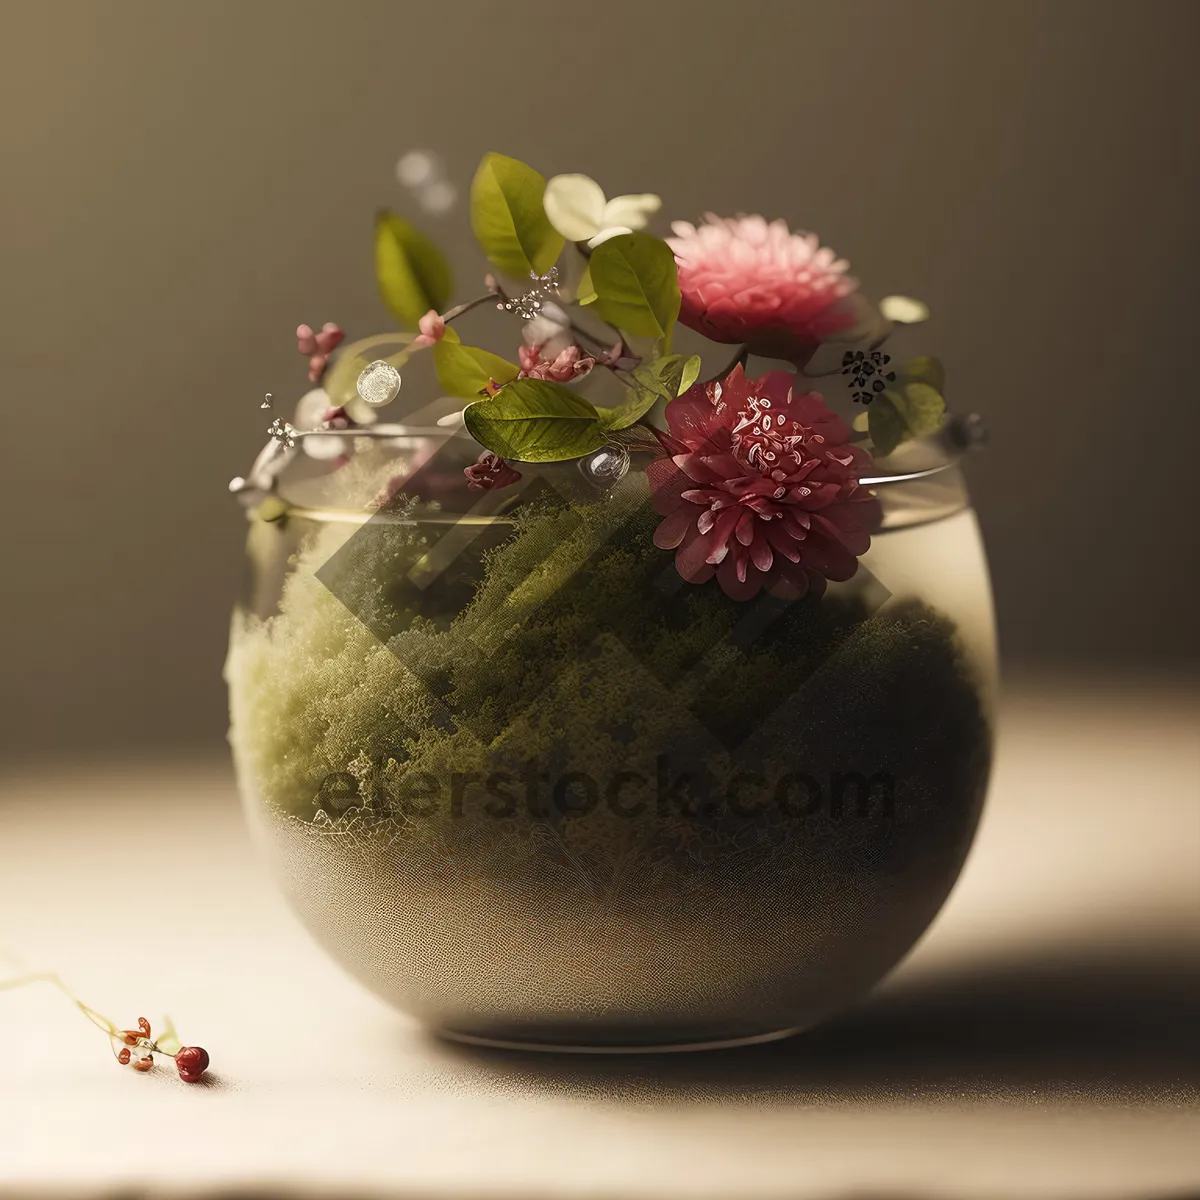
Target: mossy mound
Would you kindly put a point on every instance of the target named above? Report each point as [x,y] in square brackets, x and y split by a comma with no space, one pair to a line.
[548,657]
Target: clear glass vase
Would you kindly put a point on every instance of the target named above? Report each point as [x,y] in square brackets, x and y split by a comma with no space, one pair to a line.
[532,788]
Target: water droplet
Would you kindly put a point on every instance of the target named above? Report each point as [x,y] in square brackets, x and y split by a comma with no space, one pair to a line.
[605,467]
[379,382]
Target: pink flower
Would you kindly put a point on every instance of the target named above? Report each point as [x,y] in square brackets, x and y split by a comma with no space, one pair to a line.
[744,280]
[432,328]
[761,488]
[567,365]
[490,471]
[318,347]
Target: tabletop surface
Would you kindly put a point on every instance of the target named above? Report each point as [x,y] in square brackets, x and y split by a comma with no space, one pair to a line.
[1040,1040]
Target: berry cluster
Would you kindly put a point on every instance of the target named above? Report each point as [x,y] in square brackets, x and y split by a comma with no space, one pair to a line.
[138,1048]
[867,374]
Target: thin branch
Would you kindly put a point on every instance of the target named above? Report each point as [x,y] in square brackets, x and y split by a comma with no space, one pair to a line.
[452,314]
[52,979]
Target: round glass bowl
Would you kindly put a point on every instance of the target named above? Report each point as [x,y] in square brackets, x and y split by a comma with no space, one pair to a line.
[532,788]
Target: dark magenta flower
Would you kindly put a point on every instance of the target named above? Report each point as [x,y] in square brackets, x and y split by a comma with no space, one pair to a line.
[761,488]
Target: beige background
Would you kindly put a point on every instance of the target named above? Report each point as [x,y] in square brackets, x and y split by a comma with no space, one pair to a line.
[184,182]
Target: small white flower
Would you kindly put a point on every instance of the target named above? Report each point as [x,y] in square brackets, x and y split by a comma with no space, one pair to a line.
[577,208]
[904,310]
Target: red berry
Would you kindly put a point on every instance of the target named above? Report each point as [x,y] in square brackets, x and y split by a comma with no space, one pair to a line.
[124,1056]
[192,1062]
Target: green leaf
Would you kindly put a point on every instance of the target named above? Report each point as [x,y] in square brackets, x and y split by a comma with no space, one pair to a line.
[886,425]
[637,287]
[508,218]
[621,416]
[662,379]
[912,407]
[412,272]
[168,1040]
[922,408]
[903,412]
[465,370]
[271,509]
[585,293]
[533,420]
[691,372]
[925,369]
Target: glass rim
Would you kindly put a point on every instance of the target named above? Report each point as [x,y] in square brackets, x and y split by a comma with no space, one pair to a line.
[951,442]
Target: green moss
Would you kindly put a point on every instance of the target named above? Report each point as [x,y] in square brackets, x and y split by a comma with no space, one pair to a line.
[554,646]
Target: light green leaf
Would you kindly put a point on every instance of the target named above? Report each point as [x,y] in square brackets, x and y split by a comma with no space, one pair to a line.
[922,408]
[912,407]
[533,420]
[886,425]
[585,293]
[661,379]
[465,370]
[924,369]
[509,220]
[271,509]
[691,372]
[637,287]
[412,272]
[621,416]
[902,412]
[168,1040]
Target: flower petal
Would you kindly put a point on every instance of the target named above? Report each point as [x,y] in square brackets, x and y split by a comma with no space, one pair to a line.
[311,408]
[760,554]
[782,541]
[633,210]
[609,231]
[673,527]
[575,206]
[738,586]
